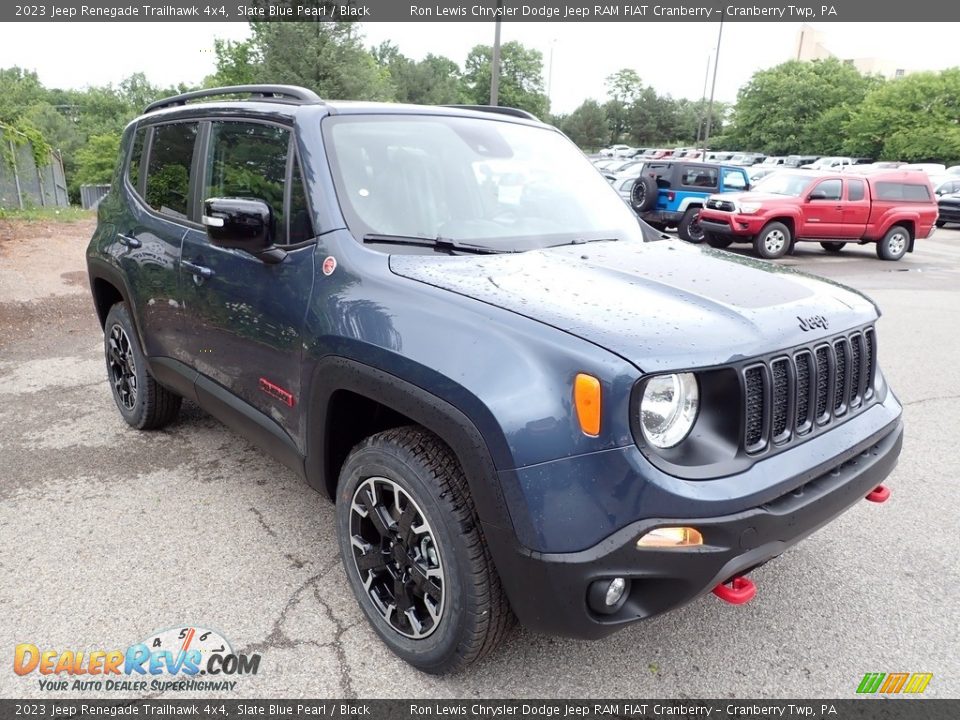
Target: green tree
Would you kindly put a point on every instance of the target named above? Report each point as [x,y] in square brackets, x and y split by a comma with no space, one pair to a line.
[911,118]
[97,160]
[328,57]
[521,77]
[587,126]
[435,80]
[238,63]
[797,107]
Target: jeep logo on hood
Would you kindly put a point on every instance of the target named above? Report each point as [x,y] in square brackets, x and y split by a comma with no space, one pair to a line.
[814,321]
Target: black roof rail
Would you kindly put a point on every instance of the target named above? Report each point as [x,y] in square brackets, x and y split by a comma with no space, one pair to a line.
[279,93]
[499,109]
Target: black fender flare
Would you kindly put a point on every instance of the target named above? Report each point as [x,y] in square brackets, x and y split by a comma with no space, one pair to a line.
[336,373]
[98,269]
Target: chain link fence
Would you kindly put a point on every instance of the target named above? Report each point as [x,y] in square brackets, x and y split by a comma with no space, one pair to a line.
[22,183]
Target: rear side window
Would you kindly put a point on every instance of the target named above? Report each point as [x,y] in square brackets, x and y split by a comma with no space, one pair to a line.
[910,192]
[699,177]
[855,190]
[249,160]
[136,158]
[168,170]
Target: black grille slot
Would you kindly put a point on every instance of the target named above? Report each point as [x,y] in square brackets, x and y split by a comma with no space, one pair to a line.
[803,390]
[856,356]
[787,396]
[781,397]
[823,380]
[840,376]
[754,420]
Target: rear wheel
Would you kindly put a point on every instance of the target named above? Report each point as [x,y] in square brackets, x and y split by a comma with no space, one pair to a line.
[690,228]
[774,241]
[894,244]
[941,223]
[143,402]
[833,247]
[414,553]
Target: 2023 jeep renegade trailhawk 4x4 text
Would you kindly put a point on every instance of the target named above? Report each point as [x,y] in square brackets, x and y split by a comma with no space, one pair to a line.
[524,402]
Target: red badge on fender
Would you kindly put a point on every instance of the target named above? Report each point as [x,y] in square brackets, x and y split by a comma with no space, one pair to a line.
[329,265]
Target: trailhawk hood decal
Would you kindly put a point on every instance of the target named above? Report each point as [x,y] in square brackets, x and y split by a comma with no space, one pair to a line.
[661,305]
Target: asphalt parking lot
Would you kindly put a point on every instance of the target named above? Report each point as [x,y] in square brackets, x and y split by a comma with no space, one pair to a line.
[107,534]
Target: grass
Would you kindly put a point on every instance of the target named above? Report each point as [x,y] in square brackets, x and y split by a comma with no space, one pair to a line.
[48,214]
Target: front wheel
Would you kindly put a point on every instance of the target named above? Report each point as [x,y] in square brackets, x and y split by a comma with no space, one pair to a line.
[718,241]
[414,553]
[143,402]
[833,247]
[690,228]
[774,241]
[894,244]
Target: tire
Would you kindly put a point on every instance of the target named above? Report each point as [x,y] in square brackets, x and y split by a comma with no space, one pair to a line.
[143,402]
[894,244]
[718,241]
[941,223]
[833,247]
[773,242]
[659,227]
[465,614]
[643,195]
[689,228]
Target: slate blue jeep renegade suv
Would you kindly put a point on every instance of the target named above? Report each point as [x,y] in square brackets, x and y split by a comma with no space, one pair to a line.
[525,402]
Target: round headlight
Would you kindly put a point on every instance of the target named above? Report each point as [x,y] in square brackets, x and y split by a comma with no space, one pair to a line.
[669,408]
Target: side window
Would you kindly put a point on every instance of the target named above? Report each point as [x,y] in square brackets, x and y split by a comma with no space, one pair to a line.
[826,190]
[699,176]
[733,180]
[136,157]
[168,170]
[854,189]
[249,160]
[301,227]
[910,192]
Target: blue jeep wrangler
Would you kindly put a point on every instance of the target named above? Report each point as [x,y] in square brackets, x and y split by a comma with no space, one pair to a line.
[672,193]
[525,403]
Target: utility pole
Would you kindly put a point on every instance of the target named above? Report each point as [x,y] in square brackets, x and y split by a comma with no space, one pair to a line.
[703,104]
[495,64]
[713,86]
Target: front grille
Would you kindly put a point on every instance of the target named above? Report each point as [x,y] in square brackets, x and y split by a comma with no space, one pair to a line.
[792,393]
[723,205]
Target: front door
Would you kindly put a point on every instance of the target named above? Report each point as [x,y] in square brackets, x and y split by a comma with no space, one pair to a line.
[243,317]
[823,213]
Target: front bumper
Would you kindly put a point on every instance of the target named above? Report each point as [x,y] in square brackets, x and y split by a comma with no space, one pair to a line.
[730,224]
[548,591]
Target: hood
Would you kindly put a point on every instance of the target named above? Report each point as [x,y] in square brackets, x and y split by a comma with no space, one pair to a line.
[754,196]
[661,305]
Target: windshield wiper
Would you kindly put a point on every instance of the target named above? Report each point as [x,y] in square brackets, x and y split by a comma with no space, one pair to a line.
[438,243]
[583,241]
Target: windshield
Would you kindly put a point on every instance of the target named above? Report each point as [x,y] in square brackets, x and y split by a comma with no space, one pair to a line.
[500,184]
[784,184]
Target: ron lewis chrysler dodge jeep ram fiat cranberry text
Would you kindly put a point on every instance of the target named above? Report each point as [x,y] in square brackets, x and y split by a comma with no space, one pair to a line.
[524,402]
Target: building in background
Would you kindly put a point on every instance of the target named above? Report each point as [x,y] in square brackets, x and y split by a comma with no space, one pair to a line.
[811,45]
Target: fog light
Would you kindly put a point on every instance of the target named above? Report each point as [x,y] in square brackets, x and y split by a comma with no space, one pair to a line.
[608,596]
[671,537]
[615,591]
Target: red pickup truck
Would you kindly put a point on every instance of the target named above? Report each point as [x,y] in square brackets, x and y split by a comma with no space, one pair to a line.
[890,209]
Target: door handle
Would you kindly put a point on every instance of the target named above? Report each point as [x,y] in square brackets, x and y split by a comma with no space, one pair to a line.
[198,270]
[130,242]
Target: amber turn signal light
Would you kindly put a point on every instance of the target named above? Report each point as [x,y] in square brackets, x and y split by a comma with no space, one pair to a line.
[670,537]
[586,396]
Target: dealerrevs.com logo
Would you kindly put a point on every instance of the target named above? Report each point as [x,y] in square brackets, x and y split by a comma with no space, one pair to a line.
[179,659]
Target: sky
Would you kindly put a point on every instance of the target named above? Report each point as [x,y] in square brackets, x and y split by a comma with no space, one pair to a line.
[671,57]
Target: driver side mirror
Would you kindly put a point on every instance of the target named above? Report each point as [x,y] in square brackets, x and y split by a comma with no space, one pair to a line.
[242,224]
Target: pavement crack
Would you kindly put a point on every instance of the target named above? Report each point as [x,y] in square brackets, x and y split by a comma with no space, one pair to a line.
[263,523]
[346,680]
[921,401]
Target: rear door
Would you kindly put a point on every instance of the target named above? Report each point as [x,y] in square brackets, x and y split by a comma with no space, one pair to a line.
[823,210]
[243,317]
[856,208]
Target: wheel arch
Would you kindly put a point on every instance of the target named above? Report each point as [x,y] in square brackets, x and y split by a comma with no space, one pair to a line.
[108,286]
[349,400]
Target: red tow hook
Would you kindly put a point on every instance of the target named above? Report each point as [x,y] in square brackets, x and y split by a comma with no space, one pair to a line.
[881,493]
[736,591]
